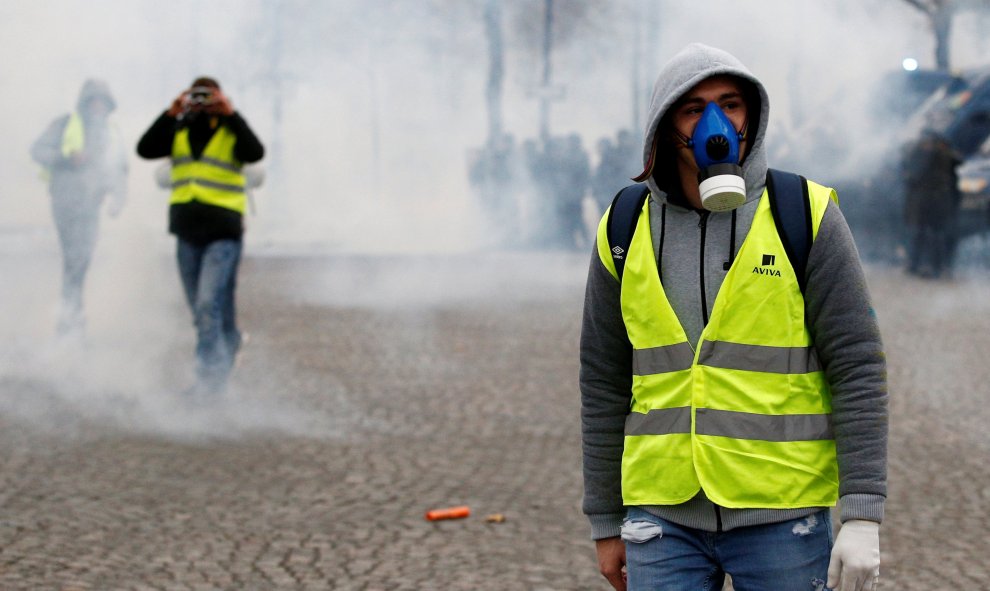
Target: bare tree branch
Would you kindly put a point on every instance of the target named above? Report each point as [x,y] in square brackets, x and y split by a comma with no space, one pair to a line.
[924,7]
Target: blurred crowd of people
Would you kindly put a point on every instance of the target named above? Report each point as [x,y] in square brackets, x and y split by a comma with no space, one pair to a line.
[539,193]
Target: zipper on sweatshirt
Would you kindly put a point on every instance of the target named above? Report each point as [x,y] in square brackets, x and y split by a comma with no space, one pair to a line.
[718,518]
[703,224]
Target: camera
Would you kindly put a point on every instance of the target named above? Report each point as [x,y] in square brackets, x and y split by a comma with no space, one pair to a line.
[200,95]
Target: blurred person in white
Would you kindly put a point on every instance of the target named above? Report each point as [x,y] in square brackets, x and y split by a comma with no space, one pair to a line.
[208,143]
[729,399]
[84,161]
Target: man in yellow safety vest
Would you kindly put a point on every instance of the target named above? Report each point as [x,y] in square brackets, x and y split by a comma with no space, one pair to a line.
[84,161]
[208,143]
[729,401]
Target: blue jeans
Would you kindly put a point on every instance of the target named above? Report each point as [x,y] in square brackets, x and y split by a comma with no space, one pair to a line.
[209,277]
[77,219]
[786,556]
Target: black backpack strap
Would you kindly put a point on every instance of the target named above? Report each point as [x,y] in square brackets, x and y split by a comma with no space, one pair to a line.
[622,219]
[791,209]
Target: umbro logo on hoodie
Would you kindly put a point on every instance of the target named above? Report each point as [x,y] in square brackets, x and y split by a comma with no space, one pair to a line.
[617,252]
[766,268]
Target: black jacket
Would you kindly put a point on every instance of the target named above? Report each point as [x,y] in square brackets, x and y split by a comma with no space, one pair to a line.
[197,222]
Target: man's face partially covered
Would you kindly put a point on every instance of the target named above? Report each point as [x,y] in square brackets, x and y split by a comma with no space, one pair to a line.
[726,92]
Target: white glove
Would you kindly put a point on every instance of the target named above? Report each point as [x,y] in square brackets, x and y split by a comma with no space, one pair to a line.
[855,561]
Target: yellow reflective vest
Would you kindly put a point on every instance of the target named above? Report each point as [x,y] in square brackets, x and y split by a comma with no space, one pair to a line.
[73,141]
[746,413]
[73,136]
[215,178]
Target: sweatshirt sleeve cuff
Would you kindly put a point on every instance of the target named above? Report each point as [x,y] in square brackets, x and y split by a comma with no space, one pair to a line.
[862,506]
[605,525]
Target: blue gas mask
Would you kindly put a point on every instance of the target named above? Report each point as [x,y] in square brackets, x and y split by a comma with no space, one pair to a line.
[715,144]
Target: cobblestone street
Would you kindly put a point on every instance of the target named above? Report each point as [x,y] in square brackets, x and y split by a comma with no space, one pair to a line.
[374,389]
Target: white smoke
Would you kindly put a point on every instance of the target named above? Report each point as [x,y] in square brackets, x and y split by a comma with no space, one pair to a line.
[368,110]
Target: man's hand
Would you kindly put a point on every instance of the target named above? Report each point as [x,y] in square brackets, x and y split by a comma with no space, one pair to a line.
[612,561]
[855,561]
[178,105]
[220,105]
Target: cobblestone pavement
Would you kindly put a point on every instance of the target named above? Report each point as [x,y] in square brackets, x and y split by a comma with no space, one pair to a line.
[374,389]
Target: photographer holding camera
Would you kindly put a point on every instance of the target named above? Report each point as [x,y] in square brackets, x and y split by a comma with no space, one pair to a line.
[208,142]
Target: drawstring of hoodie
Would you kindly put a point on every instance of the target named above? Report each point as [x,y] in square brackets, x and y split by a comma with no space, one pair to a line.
[732,244]
[663,230]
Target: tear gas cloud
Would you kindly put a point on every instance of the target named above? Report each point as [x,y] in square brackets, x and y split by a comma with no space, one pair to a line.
[370,111]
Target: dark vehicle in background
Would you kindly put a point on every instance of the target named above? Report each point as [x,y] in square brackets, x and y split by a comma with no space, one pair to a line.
[957,108]
[907,91]
[959,111]
[974,185]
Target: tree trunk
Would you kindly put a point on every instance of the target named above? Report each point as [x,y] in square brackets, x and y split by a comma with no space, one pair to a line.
[496,69]
[545,97]
[942,26]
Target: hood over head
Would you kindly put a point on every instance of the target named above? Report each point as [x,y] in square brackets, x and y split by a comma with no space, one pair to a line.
[95,88]
[687,68]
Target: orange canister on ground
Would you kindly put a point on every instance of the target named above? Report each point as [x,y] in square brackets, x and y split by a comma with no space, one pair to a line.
[448,513]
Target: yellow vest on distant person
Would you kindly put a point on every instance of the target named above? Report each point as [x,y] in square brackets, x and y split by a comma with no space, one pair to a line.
[73,136]
[73,141]
[215,178]
[746,414]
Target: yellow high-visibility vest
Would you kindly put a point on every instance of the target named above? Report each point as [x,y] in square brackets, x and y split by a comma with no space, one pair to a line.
[73,141]
[744,414]
[73,136]
[215,178]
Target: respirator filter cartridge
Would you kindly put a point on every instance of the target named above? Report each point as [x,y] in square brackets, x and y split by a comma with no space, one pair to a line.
[722,187]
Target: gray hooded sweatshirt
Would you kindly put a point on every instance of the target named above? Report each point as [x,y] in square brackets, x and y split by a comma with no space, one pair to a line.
[693,254]
[83,186]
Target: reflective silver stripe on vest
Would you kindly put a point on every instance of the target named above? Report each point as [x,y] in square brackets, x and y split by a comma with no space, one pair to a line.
[659,421]
[210,184]
[662,359]
[744,425]
[790,360]
[207,160]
